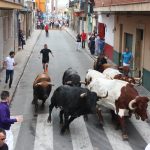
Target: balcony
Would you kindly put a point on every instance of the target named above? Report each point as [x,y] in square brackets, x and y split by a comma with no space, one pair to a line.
[122,5]
[11,4]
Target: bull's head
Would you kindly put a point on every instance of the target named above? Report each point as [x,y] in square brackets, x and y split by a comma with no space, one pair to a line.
[43,89]
[139,105]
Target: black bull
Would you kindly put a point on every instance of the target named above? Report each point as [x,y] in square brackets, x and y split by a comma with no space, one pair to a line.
[73,102]
[41,89]
[71,77]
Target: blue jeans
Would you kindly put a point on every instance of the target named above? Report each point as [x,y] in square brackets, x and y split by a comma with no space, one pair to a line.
[9,74]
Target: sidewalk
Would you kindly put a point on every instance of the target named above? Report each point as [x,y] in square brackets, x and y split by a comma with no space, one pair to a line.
[21,57]
[142,91]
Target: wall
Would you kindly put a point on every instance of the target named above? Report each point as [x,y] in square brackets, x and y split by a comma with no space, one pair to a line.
[109,34]
[130,24]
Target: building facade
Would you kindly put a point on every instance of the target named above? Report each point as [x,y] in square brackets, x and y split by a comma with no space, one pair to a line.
[8,27]
[127,25]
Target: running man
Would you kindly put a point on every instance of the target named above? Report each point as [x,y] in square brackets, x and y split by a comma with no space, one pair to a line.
[45,57]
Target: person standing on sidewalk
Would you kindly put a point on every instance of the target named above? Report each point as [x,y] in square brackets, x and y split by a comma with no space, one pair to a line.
[45,57]
[78,46]
[9,64]
[83,38]
[5,120]
[46,29]
[3,145]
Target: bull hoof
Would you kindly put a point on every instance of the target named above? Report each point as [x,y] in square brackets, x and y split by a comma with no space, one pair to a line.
[62,131]
[35,115]
[48,120]
[33,102]
[85,117]
[125,137]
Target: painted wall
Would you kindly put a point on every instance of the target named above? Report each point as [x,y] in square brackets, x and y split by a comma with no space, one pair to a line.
[130,24]
[109,33]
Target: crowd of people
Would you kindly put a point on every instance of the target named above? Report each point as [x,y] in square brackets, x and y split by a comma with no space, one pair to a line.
[95,43]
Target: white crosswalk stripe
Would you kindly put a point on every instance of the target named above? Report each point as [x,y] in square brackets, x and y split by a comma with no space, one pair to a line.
[15,130]
[143,128]
[44,134]
[79,135]
[115,136]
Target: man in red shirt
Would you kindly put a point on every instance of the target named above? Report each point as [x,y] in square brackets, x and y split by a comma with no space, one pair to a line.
[46,30]
[83,38]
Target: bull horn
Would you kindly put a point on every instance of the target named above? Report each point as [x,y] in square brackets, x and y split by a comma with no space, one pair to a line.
[131,103]
[104,96]
[82,82]
[68,82]
[83,95]
[39,84]
[51,84]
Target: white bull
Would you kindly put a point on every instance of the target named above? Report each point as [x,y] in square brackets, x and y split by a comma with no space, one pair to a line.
[93,74]
[110,73]
[111,90]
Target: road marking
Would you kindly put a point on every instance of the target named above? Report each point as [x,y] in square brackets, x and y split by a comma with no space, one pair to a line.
[142,127]
[15,130]
[115,136]
[44,134]
[79,135]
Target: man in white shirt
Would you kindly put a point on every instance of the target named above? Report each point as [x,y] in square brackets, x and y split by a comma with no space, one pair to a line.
[9,64]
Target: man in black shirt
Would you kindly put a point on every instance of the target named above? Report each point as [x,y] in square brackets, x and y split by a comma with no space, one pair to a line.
[3,145]
[45,57]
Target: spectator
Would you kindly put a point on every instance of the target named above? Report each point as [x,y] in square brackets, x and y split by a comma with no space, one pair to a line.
[102,44]
[83,38]
[97,47]
[5,120]
[127,57]
[21,39]
[9,64]
[46,30]
[78,47]
[3,145]
[92,44]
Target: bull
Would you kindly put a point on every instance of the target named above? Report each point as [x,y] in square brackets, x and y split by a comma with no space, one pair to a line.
[93,74]
[102,66]
[112,73]
[73,102]
[71,77]
[41,89]
[122,98]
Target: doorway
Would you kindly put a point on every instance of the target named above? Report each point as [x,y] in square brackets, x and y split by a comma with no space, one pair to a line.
[138,51]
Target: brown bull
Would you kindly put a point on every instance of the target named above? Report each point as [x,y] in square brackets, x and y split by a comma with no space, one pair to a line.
[41,89]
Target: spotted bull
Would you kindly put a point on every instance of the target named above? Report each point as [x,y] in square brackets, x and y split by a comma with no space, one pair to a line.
[120,97]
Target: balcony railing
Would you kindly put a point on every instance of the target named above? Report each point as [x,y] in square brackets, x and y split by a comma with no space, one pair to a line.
[106,3]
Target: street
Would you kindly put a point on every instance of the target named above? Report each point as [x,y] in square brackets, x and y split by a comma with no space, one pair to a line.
[35,133]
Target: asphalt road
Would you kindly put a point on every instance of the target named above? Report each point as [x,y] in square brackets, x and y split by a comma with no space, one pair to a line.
[34,133]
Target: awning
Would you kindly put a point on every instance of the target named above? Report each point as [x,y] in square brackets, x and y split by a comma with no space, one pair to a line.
[25,10]
[9,5]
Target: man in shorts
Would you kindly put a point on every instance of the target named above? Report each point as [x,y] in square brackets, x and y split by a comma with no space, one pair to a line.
[45,57]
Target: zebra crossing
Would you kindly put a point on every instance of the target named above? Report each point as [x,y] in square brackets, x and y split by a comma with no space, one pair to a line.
[81,135]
